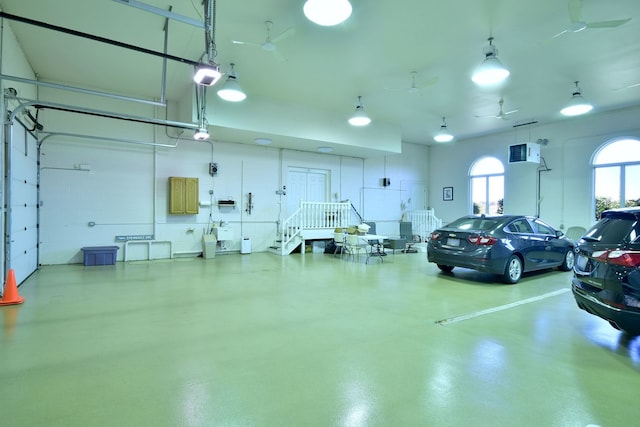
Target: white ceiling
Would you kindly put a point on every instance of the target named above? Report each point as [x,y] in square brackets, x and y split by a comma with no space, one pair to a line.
[372,55]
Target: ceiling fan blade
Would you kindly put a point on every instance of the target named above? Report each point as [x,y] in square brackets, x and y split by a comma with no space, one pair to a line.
[247,43]
[608,24]
[560,33]
[417,88]
[429,82]
[575,10]
[627,87]
[278,56]
[283,35]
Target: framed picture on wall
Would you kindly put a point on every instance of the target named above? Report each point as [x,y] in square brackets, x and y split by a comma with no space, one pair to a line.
[447,193]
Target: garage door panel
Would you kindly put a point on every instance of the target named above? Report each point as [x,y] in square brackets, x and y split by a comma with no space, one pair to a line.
[23,263]
[28,219]
[22,244]
[24,240]
[22,196]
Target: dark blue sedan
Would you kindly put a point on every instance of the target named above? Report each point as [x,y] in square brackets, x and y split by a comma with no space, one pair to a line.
[507,245]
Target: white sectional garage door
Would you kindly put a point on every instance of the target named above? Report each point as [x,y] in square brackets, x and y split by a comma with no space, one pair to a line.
[22,195]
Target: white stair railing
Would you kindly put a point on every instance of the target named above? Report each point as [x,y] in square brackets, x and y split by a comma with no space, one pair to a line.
[314,215]
[423,222]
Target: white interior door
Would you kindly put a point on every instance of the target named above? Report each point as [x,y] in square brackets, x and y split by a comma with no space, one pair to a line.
[21,247]
[306,185]
[418,196]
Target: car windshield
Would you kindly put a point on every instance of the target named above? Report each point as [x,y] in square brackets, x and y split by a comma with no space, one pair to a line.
[479,224]
[613,230]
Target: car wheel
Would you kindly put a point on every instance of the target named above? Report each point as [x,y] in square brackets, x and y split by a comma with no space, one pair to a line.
[569,260]
[513,271]
[445,268]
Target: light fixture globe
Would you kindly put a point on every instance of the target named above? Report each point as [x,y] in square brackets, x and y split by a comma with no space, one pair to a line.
[231,90]
[327,12]
[201,135]
[491,71]
[577,105]
[443,135]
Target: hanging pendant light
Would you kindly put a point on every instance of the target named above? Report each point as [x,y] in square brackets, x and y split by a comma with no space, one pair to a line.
[443,135]
[359,118]
[577,105]
[202,133]
[491,71]
[208,74]
[231,90]
[327,12]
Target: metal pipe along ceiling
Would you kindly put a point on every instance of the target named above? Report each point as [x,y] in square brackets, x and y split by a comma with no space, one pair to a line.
[96,38]
[48,135]
[99,113]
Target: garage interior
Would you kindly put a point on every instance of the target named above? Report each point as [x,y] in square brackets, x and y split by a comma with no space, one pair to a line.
[309,340]
[101,113]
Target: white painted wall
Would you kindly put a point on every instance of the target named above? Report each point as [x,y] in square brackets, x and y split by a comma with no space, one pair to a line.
[566,190]
[125,190]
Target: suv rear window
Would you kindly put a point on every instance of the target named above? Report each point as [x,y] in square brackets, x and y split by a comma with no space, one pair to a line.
[613,230]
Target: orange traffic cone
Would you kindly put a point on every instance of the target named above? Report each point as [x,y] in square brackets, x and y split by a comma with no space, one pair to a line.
[10,295]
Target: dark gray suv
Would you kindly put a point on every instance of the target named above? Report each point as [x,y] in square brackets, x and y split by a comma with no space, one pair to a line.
[606,279]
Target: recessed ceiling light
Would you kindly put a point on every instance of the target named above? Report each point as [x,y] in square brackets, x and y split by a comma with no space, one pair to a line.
[325,149]
[262,141]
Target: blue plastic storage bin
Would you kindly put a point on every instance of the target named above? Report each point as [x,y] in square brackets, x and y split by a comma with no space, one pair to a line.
[100,255]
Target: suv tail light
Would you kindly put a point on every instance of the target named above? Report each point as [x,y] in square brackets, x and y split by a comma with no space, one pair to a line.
[435,235]
[619,257]
[482,240]
[624,258]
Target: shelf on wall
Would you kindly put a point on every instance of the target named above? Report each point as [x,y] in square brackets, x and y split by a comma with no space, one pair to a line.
[226,203]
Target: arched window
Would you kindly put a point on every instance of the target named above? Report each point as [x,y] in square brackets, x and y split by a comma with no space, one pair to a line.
[616,175]
[487,186]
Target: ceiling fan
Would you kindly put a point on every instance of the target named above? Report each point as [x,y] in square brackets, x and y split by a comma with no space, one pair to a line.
[269,43]
[577,24]
[416,86]
[501,114]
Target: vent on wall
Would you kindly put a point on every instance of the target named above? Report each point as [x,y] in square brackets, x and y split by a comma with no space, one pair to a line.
[526,152]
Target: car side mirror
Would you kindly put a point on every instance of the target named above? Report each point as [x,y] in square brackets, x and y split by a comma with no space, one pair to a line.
[559,233]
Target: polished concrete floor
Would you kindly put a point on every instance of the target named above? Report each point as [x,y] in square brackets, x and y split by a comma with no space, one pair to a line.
[308,340]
